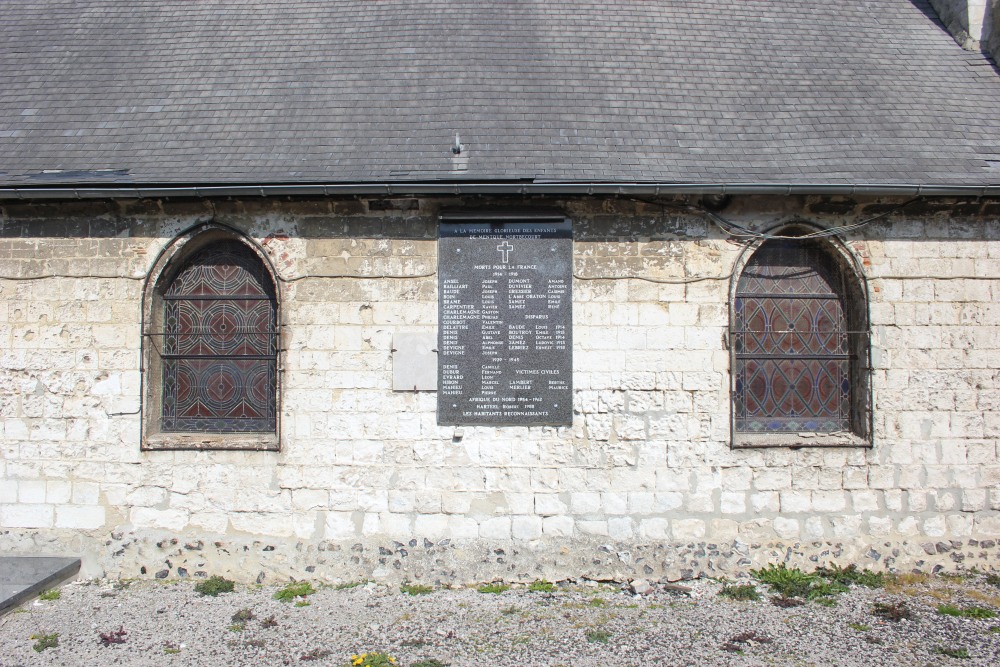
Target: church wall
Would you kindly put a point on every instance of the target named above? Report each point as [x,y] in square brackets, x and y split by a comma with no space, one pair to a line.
[366,483]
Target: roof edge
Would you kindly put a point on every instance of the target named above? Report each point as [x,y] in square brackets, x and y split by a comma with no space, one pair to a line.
[404,188]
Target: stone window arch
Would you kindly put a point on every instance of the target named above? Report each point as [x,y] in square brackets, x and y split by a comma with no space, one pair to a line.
[211,346]
[800,345]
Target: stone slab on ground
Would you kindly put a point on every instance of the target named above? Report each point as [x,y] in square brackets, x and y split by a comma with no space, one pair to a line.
[23,577]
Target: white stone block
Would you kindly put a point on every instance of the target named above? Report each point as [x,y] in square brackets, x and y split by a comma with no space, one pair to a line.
[373,500]
[772,479]
[526,527]
[785,528]
[495,528]
[396,525]
[614,503]
[432,526]
[549,504]
[688,529]
[557,526]
[456,503]
[339,526]
[733,503]
[829,501]
[864,501]
[87,493]
[310,499]
[765,501]
[8,491]
[656,528]
[666,501]
[462,528]
[814,528]
[32,492]
[26,516]
[959,525]
[847,527]
[168,519]
[86,517]
[585,502]
[987,526]
[58,492]
[974,500]
[934,526]
[371,524]
[796,501]
[620,528]
[520,503]
[641,502]
[598,528]
[401,501]
[893,499]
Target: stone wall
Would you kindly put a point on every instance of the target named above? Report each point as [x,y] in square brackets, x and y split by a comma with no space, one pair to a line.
[366,484]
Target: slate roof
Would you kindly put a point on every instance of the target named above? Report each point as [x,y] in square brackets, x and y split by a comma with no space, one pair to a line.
[361,91]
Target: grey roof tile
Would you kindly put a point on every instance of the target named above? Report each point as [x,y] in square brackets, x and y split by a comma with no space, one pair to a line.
[221,91]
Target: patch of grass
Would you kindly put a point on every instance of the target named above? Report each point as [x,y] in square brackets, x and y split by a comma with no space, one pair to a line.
[51,594]
[296,589]
[269,622]
[598,636]
[747,592]
[952,652]
[302,603]
[415,589]
[851,575]
[892,611]
[430,662]
[237,627]
[993,580]
[214,585]
[495,588]
[44,641]
[966,612]
[598,602]
[541,586]
[242,616]
[350,584]
[171,648]
[860,627]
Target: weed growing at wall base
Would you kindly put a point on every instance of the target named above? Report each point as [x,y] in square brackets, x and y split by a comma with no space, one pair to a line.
[296,589]
[214,585]
[373,659]
[44,641]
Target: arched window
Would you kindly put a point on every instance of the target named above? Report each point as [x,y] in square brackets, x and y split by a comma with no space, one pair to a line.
[214,369]
[800,348]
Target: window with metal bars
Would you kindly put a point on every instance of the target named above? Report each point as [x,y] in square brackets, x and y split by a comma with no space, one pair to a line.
[798,343]
[219,346]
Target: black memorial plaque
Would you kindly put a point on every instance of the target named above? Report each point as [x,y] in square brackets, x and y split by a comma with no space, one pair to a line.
[505,334]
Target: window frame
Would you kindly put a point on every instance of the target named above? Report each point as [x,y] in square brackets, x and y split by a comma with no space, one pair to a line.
[167,265]
[856,306]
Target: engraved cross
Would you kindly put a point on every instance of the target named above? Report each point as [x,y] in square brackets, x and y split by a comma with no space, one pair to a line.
[505,249]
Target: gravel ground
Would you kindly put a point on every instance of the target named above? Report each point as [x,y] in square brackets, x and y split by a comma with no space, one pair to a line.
[579,624]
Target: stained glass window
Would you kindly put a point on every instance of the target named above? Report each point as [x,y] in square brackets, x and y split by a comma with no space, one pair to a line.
[219,350]
[792,342]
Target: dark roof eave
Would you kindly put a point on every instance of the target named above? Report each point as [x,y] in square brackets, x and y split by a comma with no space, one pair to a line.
[432,188]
